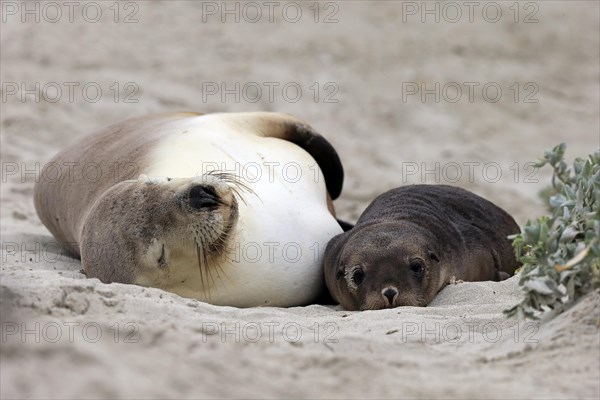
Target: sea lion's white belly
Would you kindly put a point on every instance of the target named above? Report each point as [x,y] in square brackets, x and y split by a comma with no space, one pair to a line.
[274,255]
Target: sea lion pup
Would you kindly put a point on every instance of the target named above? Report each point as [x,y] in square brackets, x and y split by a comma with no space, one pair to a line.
[412,241]
[232,209]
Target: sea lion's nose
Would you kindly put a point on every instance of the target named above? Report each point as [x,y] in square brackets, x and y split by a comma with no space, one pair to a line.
[390,294]
[203,196]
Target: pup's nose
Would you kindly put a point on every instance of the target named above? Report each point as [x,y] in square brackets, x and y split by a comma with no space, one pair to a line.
[203,196]
[390,294]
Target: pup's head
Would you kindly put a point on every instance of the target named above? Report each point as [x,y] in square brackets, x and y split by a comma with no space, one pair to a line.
[382,265]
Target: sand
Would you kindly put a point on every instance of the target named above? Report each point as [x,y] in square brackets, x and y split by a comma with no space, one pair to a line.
[66,336]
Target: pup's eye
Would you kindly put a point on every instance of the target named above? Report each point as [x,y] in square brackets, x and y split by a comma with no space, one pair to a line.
[358,276]
[417,267]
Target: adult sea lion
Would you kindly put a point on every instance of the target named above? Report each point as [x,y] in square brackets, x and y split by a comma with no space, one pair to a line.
[232,209]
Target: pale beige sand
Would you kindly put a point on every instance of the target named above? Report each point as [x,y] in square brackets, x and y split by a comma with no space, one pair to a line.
[180,349]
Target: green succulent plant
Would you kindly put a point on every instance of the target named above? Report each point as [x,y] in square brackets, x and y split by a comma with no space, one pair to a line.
[560,253]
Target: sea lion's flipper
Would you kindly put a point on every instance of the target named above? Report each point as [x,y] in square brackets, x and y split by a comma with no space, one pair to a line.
[286,127]
[502,275]
[346,226]
[325,298]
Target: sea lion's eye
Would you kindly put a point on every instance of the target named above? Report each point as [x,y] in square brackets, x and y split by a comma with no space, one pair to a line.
[416,266]
[358,277]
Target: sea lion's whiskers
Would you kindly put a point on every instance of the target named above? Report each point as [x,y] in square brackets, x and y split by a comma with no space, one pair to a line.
[236,184]
[220,271]
[199,255]
[371,305]
[206,269]
[238,195]
[227,257]
[421,301]
[203,267]
[220,237]
[243,185]
[218,243]
[209,275]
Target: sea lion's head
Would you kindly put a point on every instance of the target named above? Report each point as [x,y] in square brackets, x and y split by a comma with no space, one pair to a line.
[382,265]
[159,231]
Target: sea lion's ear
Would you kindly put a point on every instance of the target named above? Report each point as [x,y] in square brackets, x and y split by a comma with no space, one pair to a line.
[288,128]
[332,256]
[433,256]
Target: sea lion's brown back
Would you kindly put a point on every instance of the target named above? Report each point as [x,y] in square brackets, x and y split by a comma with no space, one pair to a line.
[91,166]
[481,223]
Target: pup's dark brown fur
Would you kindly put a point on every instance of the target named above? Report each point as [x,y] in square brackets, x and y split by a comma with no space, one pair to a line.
[412,241]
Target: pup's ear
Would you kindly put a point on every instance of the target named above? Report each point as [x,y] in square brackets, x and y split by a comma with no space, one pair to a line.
[332,268]
[433,256]
[331,261]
